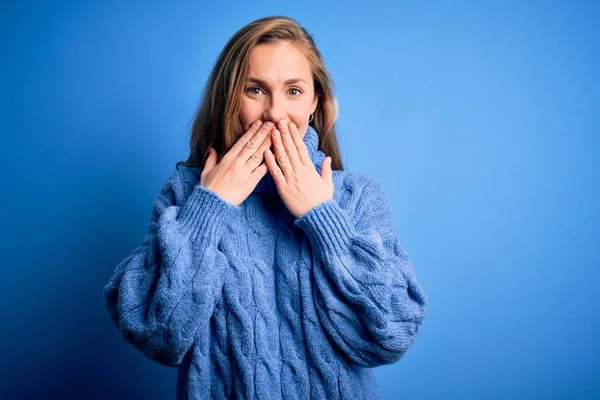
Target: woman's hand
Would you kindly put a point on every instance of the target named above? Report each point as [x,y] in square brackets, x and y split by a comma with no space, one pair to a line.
[299,184]
[239,171]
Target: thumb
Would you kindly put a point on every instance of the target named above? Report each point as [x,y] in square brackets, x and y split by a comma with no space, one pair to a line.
[326,172]
[211,160]
[210,163]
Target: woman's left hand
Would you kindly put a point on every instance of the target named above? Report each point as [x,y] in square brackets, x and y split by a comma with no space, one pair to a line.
[298,182]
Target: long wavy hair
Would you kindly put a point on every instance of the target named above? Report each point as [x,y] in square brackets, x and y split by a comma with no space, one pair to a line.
[217,122]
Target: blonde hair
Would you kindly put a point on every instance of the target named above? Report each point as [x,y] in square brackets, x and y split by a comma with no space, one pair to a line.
[217,121]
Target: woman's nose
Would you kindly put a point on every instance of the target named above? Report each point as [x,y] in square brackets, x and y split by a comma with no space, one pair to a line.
[274,110]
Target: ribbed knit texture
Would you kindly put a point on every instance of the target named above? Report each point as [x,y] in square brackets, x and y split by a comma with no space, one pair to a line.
[249,302]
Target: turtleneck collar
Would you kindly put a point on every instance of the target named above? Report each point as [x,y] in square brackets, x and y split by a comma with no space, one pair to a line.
[267,184]
[311,139]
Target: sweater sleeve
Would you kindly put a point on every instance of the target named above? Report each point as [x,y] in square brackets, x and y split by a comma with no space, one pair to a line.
[166,290]
[365,291]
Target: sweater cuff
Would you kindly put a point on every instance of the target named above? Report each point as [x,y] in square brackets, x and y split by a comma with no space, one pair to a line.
[328,227]
[206,214]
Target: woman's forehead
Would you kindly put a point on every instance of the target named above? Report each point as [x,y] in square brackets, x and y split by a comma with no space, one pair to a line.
[278,63]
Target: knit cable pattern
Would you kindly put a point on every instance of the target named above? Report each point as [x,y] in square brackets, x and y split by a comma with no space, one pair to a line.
[249,302]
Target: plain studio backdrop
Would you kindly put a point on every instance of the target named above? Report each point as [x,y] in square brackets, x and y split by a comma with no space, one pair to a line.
[479,119]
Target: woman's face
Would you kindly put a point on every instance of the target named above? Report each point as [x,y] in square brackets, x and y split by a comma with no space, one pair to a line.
[279,85]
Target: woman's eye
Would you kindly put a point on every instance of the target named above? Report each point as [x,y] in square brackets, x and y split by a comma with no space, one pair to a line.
[298,91]
[254,90]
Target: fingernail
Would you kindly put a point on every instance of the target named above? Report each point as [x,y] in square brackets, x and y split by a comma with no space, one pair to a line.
[268,124]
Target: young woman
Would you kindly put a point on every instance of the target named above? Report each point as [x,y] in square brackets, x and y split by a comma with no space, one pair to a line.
[268,271]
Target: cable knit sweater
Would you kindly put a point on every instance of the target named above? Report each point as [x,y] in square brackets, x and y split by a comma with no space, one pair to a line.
[249,302]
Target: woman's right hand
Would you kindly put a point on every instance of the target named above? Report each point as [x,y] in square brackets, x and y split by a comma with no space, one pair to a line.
[241,168]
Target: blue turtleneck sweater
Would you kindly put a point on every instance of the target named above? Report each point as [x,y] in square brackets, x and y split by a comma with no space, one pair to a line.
[250,302]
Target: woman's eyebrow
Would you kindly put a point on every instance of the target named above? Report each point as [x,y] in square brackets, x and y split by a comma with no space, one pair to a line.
[288,82]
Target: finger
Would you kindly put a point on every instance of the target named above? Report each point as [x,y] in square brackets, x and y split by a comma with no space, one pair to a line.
[210,163]
[255,141]
[274,169]
[258,156]
[326,172]
[258,174]
[246,140]
[241,142]
[300,145]
[211,160]
[288,144]
[283,160]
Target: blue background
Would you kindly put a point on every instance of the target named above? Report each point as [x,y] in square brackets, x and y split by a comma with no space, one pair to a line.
[480,119]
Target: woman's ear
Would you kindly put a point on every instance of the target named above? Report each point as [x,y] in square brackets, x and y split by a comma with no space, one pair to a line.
[313,107]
